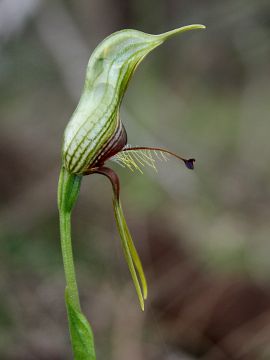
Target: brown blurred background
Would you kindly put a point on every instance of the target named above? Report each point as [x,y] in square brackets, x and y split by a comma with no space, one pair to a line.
[203,236]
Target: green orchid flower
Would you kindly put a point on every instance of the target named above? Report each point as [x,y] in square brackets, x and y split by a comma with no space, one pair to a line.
[95,135]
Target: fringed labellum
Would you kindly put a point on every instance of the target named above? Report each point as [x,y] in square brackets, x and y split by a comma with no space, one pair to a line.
[94,135]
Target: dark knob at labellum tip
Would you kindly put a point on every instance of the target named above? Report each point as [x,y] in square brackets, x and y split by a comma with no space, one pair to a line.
[189,163]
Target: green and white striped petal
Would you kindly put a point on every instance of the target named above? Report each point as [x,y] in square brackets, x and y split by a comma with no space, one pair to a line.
[94,131]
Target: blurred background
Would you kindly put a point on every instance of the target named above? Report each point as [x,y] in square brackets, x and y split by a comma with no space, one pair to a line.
[203,235]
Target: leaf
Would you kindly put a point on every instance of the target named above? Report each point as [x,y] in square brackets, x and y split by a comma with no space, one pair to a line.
[130,252]
[81,334]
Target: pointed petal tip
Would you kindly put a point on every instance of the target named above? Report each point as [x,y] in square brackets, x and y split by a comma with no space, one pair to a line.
[193,27]
[199,26]
[189,163]
[168,34]
[145,294]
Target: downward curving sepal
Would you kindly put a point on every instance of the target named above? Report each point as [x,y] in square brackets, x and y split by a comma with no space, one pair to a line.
[95,127]
[130,252]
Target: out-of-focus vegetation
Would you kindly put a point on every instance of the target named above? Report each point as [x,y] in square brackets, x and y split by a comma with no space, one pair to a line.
[203,235]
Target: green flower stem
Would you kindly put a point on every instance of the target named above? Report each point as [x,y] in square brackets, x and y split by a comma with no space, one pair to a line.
[81,334]
[68,190]
[66,246]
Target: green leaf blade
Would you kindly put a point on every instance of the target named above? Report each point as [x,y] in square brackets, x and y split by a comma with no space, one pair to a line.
[81,335]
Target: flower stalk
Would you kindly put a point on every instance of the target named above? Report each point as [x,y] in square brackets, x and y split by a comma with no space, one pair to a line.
[81,335]
[68,191]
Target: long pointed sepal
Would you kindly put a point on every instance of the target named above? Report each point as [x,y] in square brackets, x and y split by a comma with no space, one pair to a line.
[131,256]
[130,252]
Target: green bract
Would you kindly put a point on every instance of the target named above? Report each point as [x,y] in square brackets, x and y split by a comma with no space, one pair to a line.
[94,135]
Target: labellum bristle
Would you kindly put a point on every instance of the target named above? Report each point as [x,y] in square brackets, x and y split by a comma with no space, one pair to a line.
[135,156]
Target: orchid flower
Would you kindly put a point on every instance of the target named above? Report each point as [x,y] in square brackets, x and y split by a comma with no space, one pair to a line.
[94,135]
